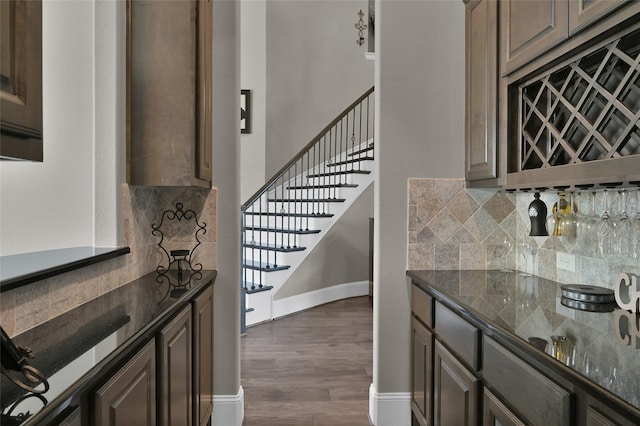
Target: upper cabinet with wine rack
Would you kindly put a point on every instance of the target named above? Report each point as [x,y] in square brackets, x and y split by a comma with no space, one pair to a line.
[568,94]
[573,111]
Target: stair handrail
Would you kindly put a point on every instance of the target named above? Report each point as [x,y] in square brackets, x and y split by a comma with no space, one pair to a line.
[304,150]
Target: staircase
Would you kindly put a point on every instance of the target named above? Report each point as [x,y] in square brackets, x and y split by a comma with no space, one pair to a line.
[286,218]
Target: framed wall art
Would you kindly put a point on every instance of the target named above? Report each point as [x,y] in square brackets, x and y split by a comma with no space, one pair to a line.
[245,111]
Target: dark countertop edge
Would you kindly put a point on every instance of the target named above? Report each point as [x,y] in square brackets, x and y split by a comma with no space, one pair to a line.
[38,275]
[521,347]
[118,357]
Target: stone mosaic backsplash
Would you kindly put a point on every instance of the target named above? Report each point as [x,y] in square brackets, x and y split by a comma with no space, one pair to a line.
[31,305]
[454,227]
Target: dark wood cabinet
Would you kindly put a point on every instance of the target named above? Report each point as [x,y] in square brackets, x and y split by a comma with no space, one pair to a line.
[585,12]
[203,357]
[129,397]
[478,377]
[422,370]
[175,370]
[481,76]
[495,413]
[21,80]
[529,28]
[455,391]
[169,92]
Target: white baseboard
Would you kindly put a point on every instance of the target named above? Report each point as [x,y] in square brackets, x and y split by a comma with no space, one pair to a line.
[228,410]
[300,302]
[389,409]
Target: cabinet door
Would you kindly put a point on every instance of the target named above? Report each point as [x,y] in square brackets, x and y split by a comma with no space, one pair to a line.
[421,372]
[496,413]
[21,79]
[175,371]
[529,28]
[585,12]
[481,42]
[129,398]
[203,357]
[455,391]
[204,149]
[169,92]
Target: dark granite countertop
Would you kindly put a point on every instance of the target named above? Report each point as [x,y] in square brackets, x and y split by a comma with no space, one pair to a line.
[26,268]
[516,307]
[70,350]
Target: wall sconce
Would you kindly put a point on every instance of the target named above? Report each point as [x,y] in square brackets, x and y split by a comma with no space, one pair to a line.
[360,26]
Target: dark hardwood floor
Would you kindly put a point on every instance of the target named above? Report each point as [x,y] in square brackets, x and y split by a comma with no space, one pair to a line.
[311,368]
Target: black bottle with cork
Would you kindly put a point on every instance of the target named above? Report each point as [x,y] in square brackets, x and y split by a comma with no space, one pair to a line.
[538,217]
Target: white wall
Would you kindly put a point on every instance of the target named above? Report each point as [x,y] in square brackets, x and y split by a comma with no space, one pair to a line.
[419,131]
[226,177]
[253,63]
[315,69]
[52,204]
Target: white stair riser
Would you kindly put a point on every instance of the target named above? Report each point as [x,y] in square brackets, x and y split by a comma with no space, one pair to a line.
[284,222]
[301,207]
[268,256]
[312,194]
[262,305]
[279,238]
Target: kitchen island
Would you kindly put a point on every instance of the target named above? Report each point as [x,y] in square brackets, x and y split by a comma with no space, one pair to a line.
[83,351]
[505,350]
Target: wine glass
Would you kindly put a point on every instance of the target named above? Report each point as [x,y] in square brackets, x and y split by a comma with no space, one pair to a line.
[586,223]
[526,250]
[568,222]
[605,229]
[635,236]
[505,247]
[623,228]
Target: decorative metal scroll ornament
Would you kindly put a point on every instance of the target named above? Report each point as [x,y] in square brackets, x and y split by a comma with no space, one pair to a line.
[179,269]
[8,418]
[627,293]
[360,26]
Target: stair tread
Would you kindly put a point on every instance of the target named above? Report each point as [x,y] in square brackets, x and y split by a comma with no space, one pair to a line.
[263,266]
[343,172]
[337,185]
[307,200]
[257,289]
[283,230]
[363,150]
[355,160]
[273,247]
[311,215]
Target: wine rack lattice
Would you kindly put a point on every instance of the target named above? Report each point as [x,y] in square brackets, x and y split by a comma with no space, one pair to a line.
[587,110]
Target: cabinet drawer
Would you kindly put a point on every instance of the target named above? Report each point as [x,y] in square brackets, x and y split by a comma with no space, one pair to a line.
[542,401]
[422,306]
[459,335]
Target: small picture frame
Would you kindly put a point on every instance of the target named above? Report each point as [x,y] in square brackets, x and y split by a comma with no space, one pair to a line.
[245,111]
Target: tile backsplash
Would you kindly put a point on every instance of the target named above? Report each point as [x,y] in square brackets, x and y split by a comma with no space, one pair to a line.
[454,227]
[28,306]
